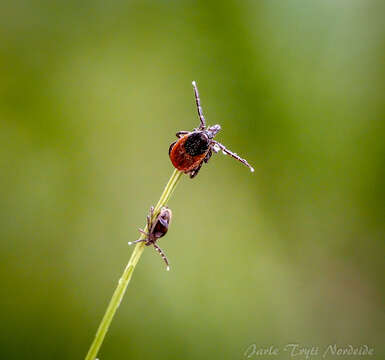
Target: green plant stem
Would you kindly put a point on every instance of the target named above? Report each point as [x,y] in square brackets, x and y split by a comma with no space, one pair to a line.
[126,277]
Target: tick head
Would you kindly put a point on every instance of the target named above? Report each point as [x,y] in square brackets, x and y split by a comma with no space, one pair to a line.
[213,130]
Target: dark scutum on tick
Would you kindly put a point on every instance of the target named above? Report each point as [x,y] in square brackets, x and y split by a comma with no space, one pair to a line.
[193,148]
[196,144]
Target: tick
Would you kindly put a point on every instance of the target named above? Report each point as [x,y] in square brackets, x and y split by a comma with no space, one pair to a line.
[196,147]
[156,229]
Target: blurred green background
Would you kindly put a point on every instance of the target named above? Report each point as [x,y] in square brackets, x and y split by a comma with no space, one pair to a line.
[91,95]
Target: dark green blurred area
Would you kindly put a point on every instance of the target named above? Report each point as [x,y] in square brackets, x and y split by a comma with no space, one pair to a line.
[91,95]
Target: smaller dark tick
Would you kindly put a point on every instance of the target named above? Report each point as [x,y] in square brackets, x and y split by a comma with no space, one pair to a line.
[156,229]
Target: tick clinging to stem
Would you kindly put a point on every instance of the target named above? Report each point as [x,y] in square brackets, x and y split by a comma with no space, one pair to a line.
[156,229]
[192,149]
[196,147]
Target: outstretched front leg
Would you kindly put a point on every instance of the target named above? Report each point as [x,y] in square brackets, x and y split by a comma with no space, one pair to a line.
[146,239]
[234,155]
[139,240]
[202,126]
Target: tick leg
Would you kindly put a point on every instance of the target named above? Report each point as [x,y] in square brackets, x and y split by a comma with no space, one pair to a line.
[208,156]
[194,172]
[143,232]
[179,134]
[234,155]
[140,240]
[162,254]
[136,241]
[198,102]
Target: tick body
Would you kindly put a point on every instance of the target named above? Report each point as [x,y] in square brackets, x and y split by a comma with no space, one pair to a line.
[156,229]
[187,153]
[196,147]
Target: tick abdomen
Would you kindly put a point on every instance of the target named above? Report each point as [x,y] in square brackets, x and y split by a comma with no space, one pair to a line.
[181,159]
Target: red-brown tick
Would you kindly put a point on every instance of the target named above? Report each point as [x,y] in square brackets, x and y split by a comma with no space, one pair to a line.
[156,229]
[196,147]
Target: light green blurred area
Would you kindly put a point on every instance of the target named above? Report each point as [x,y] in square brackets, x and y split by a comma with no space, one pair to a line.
[91,95]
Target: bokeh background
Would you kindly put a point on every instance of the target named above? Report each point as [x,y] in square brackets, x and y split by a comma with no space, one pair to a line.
[91,95]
